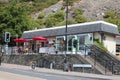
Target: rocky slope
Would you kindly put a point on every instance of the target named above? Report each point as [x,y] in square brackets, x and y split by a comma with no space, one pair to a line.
[93,9]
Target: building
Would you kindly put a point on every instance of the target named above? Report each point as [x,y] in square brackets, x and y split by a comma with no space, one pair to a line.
[78,35]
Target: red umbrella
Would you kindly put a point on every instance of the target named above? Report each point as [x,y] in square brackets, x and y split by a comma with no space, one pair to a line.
[22,40]
[39,38]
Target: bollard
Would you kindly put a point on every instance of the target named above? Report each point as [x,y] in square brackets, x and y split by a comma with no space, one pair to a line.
[51,65]
[65,67]
[33,65]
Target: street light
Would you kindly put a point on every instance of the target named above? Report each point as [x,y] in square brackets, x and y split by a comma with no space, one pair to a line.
[65,60]
[66,27]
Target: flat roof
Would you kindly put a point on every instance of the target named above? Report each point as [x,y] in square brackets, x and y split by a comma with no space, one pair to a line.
[87,27]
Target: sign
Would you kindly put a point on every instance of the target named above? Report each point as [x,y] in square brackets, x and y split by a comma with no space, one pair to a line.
[43,50]
[82,65]
[49,50]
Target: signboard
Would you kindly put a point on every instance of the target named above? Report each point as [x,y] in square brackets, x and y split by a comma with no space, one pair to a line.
[82,65]
[43,50]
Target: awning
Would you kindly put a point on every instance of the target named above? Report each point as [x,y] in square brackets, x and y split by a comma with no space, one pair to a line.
[39,38]
[21,40]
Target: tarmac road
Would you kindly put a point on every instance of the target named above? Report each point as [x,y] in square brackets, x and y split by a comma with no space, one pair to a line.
[26,73]
[18,74]
[12,76]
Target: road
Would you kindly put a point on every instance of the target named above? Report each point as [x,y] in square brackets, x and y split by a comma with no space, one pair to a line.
[18,74]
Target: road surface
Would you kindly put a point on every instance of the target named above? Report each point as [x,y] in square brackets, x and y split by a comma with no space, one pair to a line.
[12,76]
[18,74]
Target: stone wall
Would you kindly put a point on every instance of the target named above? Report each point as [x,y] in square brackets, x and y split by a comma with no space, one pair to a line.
[45,60]
[27,59]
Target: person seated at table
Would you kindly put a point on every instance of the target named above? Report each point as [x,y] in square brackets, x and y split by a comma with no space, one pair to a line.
[19,49]
[26,50]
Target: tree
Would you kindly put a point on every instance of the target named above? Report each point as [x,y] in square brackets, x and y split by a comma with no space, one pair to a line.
[14,19]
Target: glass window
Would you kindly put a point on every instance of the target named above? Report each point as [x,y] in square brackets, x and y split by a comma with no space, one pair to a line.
[60,43]
[70,42]
[74,42]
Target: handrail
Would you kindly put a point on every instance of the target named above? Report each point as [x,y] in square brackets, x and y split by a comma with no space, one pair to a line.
[100,56]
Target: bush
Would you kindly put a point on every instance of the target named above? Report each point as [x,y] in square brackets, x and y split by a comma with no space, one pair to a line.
[50,22]
[54,19]
[80,18]
[70,21]
[41,16]
[100,45]
[109,14]
[70,2]
[78,11]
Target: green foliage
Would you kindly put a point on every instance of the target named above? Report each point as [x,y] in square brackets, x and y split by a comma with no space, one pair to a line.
[78,15]
[112,17]
[59,16]
[110,14]
[70,2]
[80,18]
[78,11]
[15,15]
[40,23]
[100,45]
[70,21]
[36,5]
[41,16]
[114,21]
[54,19]
[50,22]
[13,19]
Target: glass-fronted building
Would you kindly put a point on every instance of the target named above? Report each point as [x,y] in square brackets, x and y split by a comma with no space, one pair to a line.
[78,35]
[75,43]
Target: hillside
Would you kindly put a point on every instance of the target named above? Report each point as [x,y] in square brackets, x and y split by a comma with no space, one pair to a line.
[93,9]
[22,15]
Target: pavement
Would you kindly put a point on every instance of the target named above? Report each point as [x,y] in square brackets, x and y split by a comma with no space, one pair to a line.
[59,72]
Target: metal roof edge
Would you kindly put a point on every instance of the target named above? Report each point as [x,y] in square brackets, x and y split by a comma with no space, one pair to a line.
[73,25]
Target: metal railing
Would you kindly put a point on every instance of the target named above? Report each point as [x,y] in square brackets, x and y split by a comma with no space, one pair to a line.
[105,59]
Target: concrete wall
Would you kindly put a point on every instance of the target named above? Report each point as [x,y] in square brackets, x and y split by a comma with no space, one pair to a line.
[109,41]
[97,36]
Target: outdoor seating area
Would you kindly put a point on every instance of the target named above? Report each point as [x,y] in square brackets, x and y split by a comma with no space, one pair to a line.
[25,46]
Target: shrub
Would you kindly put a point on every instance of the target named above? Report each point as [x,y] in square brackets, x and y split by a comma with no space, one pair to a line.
[78,11]
[41,16]
[80,18]
[109,14]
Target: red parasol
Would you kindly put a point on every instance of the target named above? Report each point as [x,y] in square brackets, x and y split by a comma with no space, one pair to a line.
[22,40]
[39,38]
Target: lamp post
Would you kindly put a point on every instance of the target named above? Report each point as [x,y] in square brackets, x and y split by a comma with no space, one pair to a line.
[66,27]
[65,59]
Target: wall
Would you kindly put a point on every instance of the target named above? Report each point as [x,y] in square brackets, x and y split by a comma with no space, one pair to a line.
[97,36]
[110,43]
